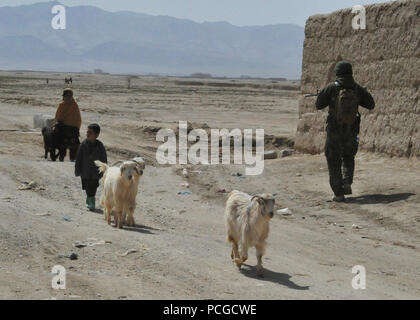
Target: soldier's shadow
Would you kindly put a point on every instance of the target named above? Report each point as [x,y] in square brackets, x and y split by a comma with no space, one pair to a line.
[272,276]
[380,198]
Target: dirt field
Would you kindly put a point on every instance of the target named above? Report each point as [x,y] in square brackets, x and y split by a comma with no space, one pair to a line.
[181,251]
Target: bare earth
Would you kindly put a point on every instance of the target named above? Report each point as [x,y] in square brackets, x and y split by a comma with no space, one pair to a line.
[181,251]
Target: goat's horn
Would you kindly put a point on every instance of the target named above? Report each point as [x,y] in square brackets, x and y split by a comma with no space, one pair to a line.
[140,164]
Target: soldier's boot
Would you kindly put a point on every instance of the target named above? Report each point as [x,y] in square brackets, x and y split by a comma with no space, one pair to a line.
[339,199]
[347,189]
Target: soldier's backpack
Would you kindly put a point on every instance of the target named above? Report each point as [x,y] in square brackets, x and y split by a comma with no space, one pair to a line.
[346,106]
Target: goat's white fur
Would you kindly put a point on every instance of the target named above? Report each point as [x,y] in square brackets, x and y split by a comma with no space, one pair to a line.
[119,189]
[247,224]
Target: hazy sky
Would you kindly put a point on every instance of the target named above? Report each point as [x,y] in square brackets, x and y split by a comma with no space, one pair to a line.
[237,12]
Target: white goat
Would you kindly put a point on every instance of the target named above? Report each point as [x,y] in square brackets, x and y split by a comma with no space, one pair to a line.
[119,189]
[247,224]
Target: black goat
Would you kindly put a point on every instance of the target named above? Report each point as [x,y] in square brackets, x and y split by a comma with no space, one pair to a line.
[51,142]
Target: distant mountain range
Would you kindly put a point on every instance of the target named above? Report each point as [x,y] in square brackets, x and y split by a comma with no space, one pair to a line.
[127,42]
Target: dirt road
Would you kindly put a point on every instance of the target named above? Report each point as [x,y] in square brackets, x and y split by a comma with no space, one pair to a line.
[179,239]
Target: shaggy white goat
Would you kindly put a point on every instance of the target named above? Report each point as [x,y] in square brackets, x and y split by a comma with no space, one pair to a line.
[119,189]
[247,224]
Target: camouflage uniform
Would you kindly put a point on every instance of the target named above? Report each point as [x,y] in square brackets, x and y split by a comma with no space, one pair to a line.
[342,143]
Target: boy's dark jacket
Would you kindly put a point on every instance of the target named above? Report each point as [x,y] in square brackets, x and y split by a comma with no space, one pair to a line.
[86,155]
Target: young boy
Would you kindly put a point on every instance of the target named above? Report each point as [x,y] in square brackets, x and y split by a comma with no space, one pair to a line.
[90,150]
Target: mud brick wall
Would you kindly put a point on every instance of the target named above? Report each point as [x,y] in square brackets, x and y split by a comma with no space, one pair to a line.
[386,60]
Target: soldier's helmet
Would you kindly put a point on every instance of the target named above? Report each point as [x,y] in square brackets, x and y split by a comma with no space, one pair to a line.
[343,68]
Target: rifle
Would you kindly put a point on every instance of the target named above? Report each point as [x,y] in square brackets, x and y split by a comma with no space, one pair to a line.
[312,94]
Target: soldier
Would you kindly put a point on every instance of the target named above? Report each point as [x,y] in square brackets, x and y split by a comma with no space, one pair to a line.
[343,97]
